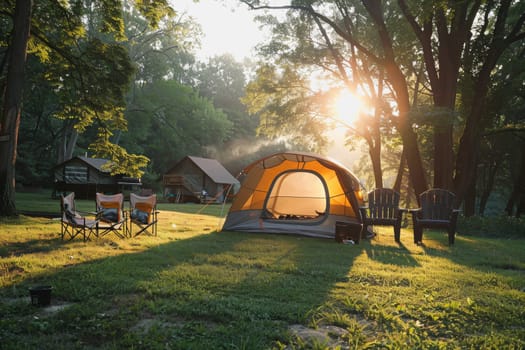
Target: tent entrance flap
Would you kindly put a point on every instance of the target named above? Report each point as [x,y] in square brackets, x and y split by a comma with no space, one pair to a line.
[297,195]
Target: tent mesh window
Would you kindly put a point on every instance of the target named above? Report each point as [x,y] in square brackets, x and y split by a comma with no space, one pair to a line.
[297,195]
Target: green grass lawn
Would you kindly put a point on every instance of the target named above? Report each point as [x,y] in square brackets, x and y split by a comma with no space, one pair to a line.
[194,288]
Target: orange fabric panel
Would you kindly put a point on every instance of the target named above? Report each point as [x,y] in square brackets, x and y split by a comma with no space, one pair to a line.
[110,205]
[145,207]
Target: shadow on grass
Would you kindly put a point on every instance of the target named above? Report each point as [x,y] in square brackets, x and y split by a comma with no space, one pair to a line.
[482,254]
[219,290]
[390,255]
[30,247]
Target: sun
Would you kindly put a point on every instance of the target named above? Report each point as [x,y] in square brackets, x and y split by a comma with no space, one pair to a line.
[347,107]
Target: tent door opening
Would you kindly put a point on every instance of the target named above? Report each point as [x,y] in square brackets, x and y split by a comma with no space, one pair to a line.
[297,195]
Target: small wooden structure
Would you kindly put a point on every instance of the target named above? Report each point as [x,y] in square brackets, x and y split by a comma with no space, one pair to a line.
[436,211]
[87,176]
[383,210]
[195,179]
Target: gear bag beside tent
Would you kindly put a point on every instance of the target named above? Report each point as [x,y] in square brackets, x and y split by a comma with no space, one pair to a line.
[296,193]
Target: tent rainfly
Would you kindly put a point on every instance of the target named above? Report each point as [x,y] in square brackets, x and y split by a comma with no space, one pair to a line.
[296,193]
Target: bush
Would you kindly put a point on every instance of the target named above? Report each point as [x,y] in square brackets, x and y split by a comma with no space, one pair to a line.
[492,226]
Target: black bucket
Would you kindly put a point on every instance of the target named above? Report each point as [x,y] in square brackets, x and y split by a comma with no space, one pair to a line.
[40,295]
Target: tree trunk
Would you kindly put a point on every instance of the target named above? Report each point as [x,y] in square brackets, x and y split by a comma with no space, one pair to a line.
[400,172]
[517,196]
[469,142]
[487,189]
[469,209]
[10,119]
[399,84]
[443,158]
[375,157]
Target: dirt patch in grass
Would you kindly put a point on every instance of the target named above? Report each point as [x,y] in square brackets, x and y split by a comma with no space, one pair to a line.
[327,335]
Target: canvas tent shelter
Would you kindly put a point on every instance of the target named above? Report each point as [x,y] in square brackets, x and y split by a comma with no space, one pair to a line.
[86,176]
[195,179]
[299,193]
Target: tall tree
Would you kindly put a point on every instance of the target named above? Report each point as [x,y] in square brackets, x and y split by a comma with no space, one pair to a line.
[444,31]
[90,66]
[495,36]
[12,104]
[381,50]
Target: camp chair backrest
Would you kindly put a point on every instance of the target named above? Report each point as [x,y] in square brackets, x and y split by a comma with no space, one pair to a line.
[436,204]
[113,203]
[67,205]
[143,213]
[144,204]
[383,203]
[72,222]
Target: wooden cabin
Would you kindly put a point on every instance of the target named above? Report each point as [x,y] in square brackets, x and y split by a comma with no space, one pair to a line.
[87,176]
[195,179]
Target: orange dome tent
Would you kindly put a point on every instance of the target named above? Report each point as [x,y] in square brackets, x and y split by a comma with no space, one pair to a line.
[295,192]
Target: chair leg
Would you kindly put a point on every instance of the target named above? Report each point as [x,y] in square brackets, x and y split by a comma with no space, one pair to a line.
[418,234]
[451,236]
[397,233]
[418,231]
[363,233]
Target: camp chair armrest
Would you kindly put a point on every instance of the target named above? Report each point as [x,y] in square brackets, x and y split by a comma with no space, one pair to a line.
[84,213]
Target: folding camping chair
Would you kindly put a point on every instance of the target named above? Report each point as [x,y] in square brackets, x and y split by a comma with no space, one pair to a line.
[110,212]
[143,213]
[72,222]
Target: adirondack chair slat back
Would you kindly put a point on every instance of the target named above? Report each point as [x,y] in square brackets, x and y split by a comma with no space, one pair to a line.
[383,203]
[437,204]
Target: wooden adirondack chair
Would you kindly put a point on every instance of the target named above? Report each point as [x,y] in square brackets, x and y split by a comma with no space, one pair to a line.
[436,211]
[383,210]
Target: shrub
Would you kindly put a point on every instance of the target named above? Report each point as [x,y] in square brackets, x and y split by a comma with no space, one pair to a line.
[492,226]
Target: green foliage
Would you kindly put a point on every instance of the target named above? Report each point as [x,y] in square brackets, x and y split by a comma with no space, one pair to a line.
[223,81]
[492,226]
[85,71]
[122,161]
[169,121]
[286,107]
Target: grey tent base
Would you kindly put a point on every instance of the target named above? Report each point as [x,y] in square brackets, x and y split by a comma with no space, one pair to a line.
[250,221]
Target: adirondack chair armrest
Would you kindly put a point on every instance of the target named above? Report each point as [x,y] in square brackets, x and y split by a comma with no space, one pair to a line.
[414,211]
